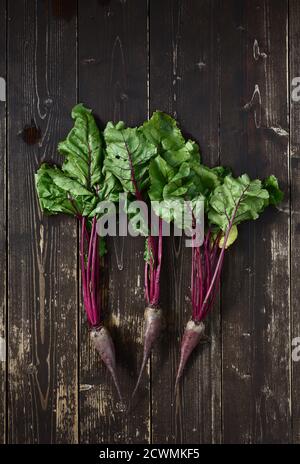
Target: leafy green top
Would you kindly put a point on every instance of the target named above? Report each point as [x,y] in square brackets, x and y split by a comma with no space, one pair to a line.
[128,154]
[83,149]
[241,195]
[152,161]
[177,174]
[77,186]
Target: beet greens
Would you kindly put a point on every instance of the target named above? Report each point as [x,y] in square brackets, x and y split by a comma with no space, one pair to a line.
[76,189]
[151,164]
[176,174]
[128,154]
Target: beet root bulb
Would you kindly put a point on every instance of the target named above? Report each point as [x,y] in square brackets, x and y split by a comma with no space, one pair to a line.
[152,329]
[104,345]
[193,334]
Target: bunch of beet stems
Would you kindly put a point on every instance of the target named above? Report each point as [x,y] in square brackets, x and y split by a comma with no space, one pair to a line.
[207,263]
[153,313]
[153,268]
[90,274]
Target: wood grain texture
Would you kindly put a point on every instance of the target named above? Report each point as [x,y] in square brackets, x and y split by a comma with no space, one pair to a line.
[42,275]
[113,81]
[184,81]
[202,61]
[2,222]
[294,40]
[255,296]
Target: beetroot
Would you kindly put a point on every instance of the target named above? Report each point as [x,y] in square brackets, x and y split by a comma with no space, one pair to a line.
[193,334]
[104,345]
[152,329]
[153,314]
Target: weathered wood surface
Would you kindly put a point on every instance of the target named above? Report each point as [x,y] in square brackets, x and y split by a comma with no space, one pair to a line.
[200,61]
[113,81]
[255,295]
[294,56]
[3,216]
[184,81]
[42,396]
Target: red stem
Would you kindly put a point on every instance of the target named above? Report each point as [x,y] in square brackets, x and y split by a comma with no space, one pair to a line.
[158,269]
[153,268]
[85,281]
[152,281]
[215,249]
[90,273]
[93,275]
[146,283]
[199,263]
[213,295]
[221,256]
[207,260]
[201,281]
[86,234]
[217,269]
[83,273]
[195,281]
[97,283]
[192,280]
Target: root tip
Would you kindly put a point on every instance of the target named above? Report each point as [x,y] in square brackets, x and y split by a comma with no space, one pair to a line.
[145,359]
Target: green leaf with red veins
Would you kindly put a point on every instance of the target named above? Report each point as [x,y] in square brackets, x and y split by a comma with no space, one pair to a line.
[275,194]
[128,154]
[239,198]
[83,149]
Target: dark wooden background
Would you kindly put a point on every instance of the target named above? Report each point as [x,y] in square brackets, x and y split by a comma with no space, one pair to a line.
[201,61]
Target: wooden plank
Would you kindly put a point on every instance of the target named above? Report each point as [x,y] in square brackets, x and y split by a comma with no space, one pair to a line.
[42,276]
[255,296]
[184,81]
[113,81]
[294,34]
[2,220]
